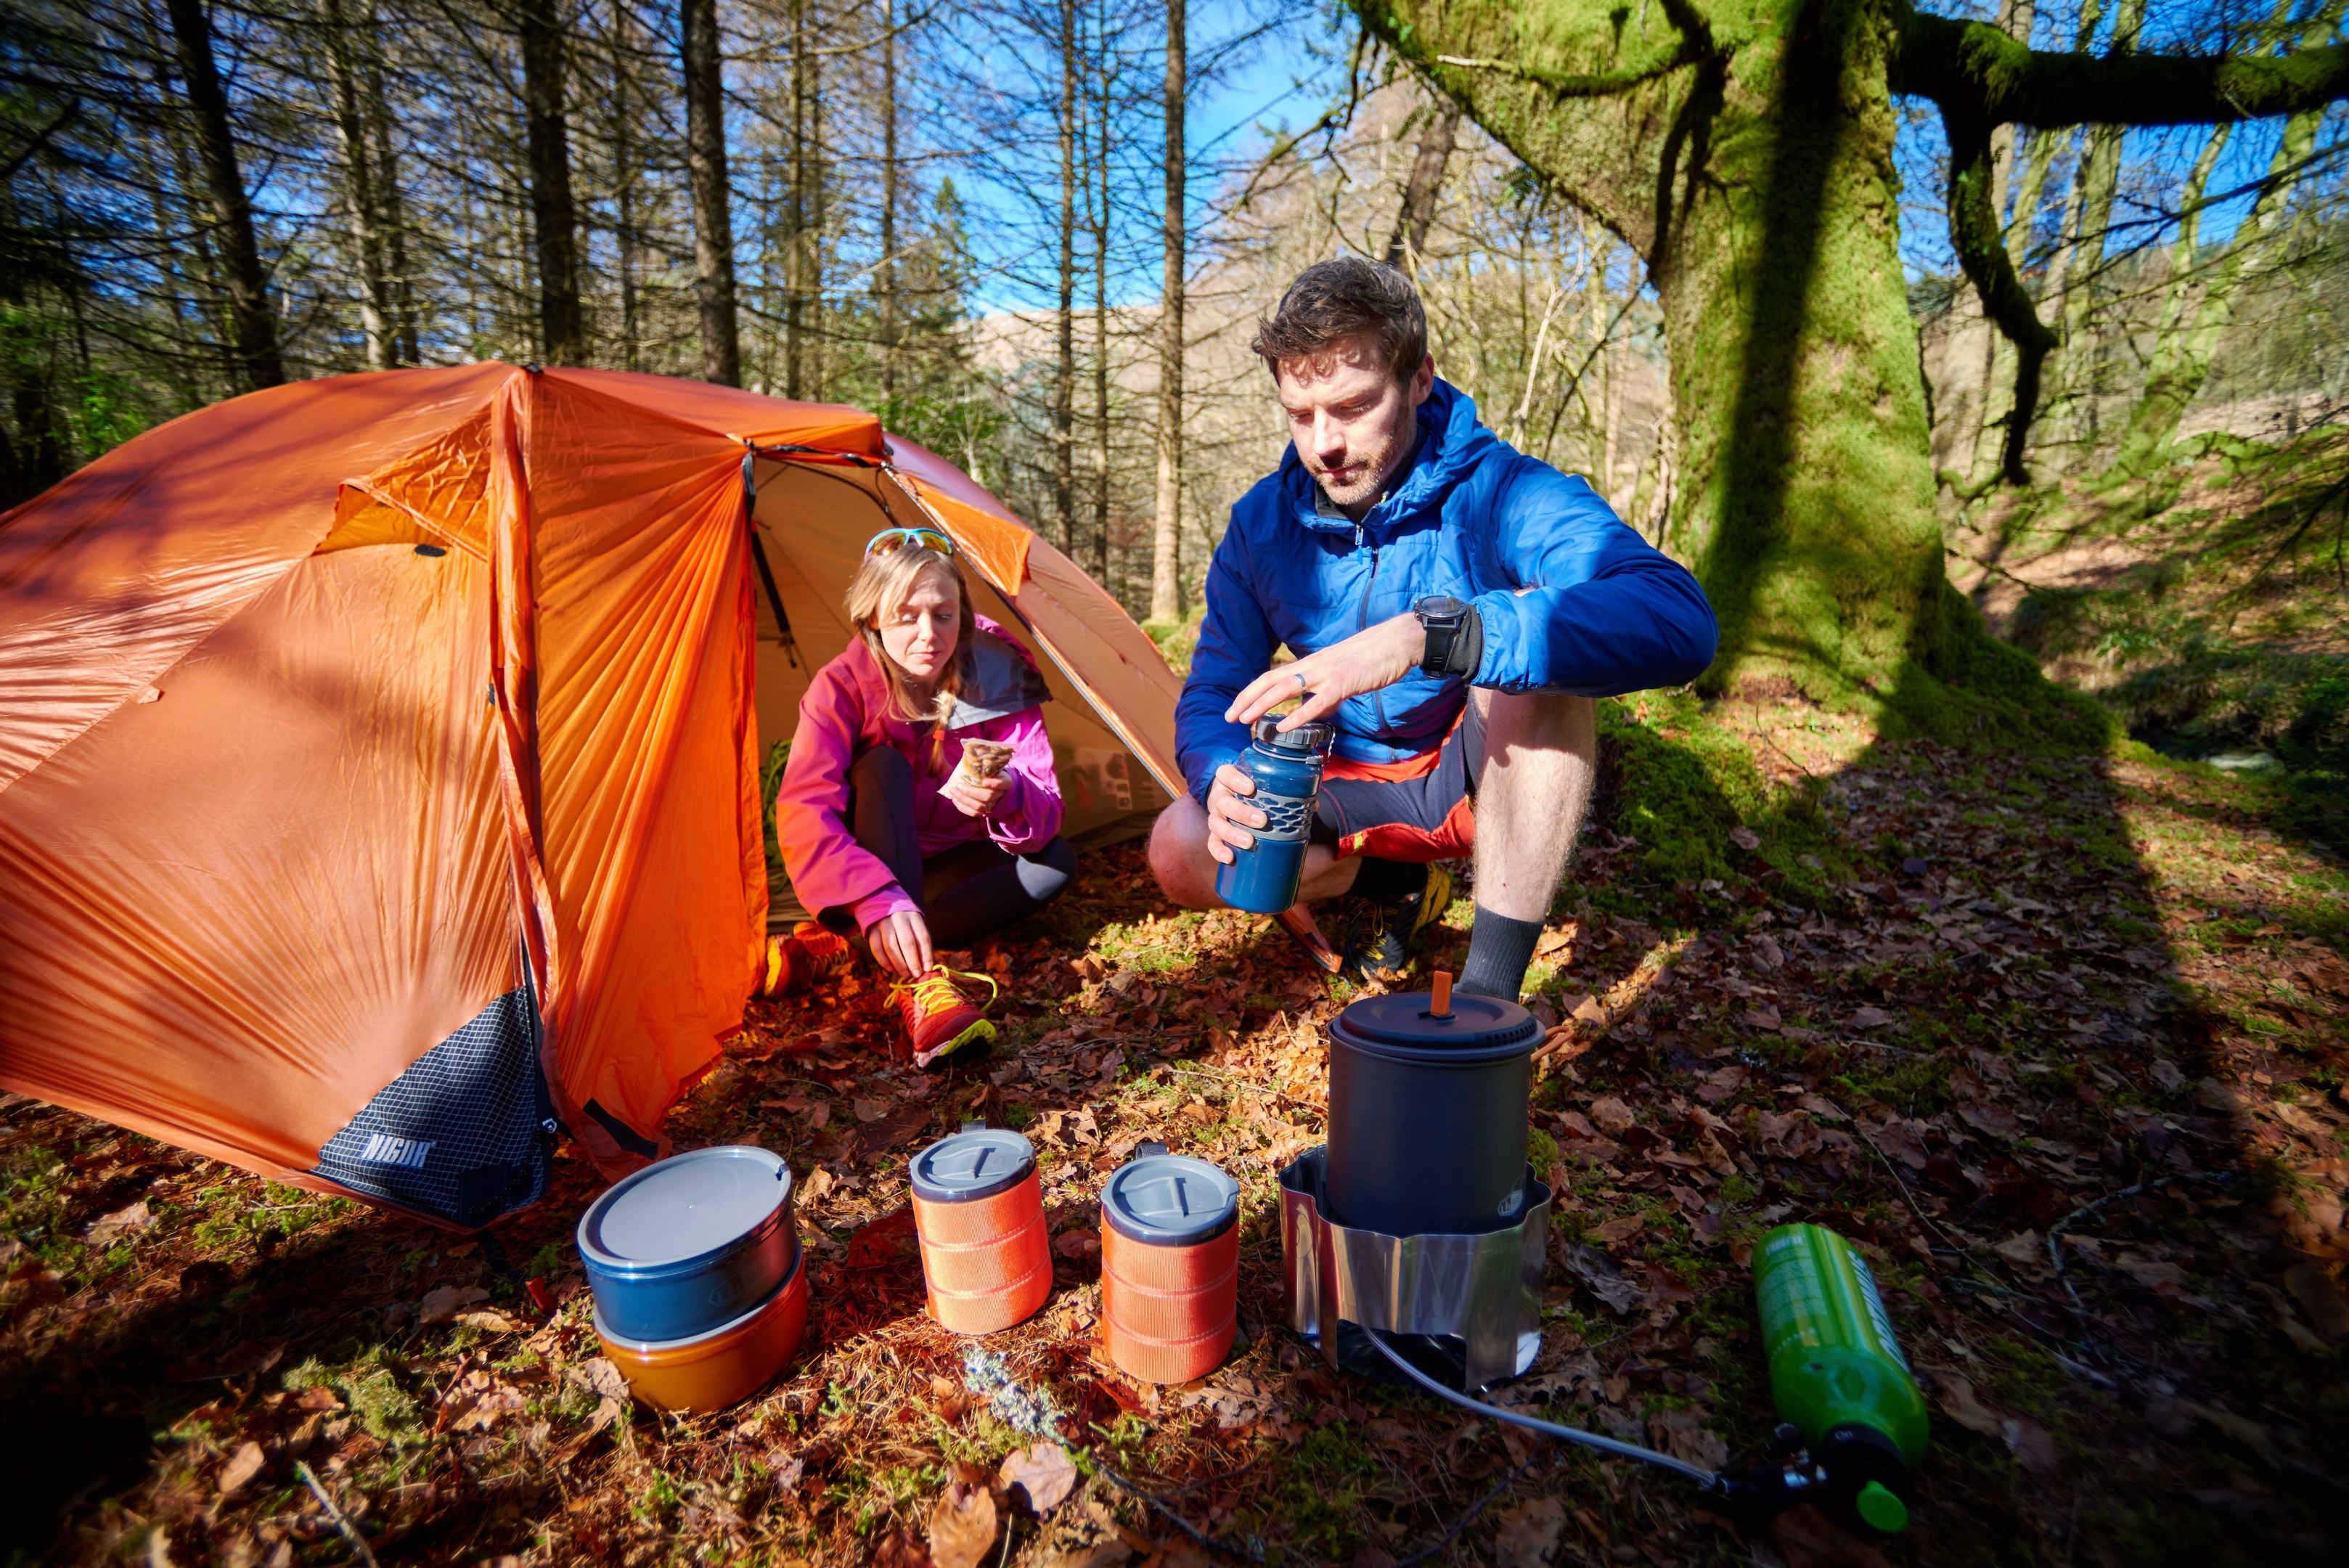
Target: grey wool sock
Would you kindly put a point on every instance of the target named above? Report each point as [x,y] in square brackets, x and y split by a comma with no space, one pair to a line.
[1500,950]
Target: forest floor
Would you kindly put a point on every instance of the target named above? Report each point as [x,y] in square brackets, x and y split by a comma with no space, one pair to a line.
[1949,1003]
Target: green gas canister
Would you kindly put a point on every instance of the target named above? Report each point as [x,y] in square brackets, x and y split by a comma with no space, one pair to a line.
[1836,1371]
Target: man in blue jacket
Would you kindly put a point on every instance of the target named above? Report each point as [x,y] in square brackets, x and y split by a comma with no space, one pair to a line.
[1454,606]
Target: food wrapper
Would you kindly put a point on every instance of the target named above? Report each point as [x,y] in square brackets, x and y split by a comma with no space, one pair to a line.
[984,759]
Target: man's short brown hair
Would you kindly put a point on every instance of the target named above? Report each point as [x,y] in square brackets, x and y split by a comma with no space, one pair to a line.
[1349,297]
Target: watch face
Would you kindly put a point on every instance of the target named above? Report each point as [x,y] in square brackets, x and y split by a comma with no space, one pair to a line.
[1440,605]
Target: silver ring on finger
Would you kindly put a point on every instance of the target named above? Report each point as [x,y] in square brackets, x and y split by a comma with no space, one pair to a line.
[1301,687]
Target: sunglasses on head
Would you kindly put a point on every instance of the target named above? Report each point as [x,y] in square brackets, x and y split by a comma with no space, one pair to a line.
[890,539]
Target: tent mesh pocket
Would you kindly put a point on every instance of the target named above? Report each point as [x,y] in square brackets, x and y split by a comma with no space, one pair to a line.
[462,1134]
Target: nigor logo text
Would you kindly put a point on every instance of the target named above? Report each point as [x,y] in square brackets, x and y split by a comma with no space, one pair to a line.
[406,1152]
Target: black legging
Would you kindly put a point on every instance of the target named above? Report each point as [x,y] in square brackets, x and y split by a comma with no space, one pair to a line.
[968,892]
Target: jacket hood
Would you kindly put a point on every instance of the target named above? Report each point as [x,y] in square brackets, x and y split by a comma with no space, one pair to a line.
[1450,443]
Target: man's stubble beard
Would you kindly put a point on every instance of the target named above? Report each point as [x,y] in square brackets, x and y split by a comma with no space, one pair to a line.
[1377,473]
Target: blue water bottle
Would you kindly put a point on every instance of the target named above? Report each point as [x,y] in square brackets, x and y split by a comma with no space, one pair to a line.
[1286,769]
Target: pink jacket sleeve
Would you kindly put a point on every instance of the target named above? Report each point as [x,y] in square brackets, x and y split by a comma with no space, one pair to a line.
[829,870]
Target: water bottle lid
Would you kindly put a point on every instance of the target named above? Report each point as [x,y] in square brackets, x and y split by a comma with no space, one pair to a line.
[1306,740]
[1881,1507]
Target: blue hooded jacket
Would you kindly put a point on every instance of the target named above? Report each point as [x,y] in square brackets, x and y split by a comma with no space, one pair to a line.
[1571,600]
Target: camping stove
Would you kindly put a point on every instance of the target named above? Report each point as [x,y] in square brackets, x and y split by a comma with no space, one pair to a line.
[1465,1309]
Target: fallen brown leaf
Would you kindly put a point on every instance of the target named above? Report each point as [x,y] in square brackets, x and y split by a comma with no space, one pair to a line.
[1959,1403]
[962,1527]
[2033,1447]
[442,1305]
[242,1467]
[600,1377]
[1044,1472]
[108,1229]
[1528,1536]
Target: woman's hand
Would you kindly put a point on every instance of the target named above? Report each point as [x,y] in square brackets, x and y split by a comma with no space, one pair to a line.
[901,942]
[975,796]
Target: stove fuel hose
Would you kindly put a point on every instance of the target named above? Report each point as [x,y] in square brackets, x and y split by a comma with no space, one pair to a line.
[1712,1480]
[1752,1498]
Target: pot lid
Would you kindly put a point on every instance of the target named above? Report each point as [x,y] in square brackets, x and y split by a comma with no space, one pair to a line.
[691,1204]
[1168,1200]
[975,1163]
[1470,1023]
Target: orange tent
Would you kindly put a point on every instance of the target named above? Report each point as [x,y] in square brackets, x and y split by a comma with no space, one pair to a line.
[379,756]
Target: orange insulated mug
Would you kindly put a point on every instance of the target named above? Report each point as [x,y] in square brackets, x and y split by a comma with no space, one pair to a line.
[1170,1265]
[978,1208]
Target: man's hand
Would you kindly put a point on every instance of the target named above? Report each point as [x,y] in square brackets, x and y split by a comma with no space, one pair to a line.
[1379,656]
[975,796]
[901,942]
[1229,816]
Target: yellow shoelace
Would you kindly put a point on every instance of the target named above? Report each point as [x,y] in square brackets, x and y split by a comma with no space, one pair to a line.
[935,989]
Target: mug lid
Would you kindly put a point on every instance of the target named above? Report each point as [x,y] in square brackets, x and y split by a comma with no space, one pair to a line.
[1470,1023]
[975,1163]
[1168,1200]
[686,1206]
[1311,738]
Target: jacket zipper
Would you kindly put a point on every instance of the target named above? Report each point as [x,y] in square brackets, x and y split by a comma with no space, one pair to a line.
[1362,621]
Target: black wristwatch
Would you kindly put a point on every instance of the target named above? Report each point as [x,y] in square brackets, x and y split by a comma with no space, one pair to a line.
[1442,617]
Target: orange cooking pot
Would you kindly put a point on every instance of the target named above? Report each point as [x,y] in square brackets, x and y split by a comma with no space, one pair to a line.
[724,1366]
[1170,1266]
[978,1208]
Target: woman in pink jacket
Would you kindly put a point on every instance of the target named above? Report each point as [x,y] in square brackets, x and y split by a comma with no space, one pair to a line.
[889,833]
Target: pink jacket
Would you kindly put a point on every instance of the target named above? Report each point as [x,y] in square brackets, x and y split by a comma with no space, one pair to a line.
[845,714]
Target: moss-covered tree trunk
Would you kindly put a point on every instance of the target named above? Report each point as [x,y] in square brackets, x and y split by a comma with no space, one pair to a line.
[1745,148]
[1750,163]
[1809,503]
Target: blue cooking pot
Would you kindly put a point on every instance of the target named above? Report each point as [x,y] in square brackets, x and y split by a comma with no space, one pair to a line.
[682,1247]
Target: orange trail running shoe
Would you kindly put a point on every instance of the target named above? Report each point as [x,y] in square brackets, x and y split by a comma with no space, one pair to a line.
[809,956]
[939,1019]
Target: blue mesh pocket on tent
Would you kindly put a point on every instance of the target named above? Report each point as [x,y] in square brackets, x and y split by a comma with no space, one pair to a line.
[465,1133]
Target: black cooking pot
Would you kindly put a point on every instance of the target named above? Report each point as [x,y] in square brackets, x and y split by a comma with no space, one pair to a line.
[1427,1114]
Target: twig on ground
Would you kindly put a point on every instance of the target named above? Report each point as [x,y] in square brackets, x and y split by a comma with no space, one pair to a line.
[1245,1550]
[1443,1543]
[333,1513]
[2056,1231]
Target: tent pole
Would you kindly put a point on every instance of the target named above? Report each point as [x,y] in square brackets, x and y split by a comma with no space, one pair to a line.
[759,553]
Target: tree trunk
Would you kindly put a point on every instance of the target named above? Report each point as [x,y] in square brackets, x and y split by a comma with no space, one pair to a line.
[392,215]
[819,175]
[1759,185]
[627,237]
[795,208]
[885,278]
[1167,529]
[554,223]
[1097,197]
[2097,181]
[2015,18]
[252,322]
[2182,352]
[713,225]
[1064,453]
[1417,213]
[344,39]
